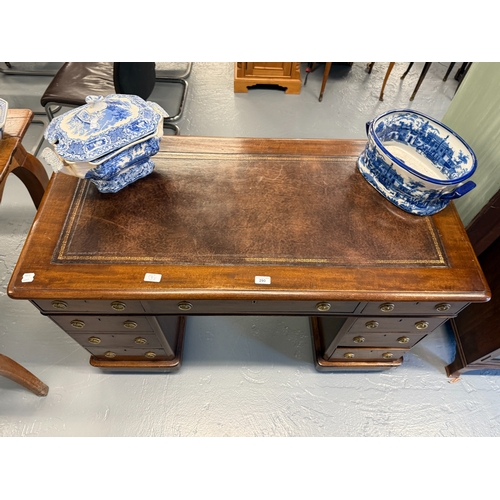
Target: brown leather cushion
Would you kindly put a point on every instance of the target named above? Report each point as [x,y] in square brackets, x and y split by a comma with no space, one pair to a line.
[75,81]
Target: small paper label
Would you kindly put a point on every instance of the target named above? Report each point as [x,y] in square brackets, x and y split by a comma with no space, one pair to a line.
[263,280]
[28,277]
[152,277]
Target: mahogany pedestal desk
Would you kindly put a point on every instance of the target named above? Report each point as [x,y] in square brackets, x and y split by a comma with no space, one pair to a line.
[244,227]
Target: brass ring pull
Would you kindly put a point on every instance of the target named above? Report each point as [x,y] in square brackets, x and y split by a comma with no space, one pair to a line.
[421,325]
[94,340]
[110,354]
[118,306]
[140,340]
[323,306]
[150,355]
[387,355]
[59,304]
[349,355]
[387,307]
[359,339]
[130,324]
[76,323]
[442,307]
[185,306]
[372,324]
[403,340]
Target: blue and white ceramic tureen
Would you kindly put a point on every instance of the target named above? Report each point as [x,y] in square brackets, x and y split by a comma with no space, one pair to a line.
[109,140]
[416,162]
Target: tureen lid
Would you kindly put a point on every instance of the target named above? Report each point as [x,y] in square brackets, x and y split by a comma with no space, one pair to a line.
[102,125]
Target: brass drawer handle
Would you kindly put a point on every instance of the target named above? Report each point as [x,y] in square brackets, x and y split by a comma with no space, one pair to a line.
[118,306]
[387,355]
[403,340]
[387,307]
[59,304]
[150,355]
[442,307]
[140,340]
[349,355]
[185,306]
[372,324]
[130,324]
[76,323]
[421,325]
[110,354]
[359,339]
[94,340]
[323,306]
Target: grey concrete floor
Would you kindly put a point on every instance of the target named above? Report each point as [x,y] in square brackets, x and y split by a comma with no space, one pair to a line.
[250,376]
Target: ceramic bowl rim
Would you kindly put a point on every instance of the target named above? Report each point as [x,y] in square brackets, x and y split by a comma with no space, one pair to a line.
[408,168]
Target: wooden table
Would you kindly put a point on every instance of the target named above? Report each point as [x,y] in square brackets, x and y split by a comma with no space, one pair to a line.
[244,227]
[14,158]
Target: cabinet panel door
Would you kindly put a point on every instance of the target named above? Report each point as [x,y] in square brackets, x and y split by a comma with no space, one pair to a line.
[268,69]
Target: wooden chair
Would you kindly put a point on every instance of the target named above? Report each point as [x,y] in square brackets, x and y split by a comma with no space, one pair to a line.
[328,66]
[15,159]
[424,72]
[14,371]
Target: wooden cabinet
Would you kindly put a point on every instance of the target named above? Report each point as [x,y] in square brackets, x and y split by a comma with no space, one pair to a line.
[477,328]
[282,74]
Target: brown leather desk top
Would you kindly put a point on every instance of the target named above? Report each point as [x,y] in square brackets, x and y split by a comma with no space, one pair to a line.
[217,212]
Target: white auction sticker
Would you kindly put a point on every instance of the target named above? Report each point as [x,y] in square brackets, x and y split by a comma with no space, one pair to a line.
[152,277]
[262,280]
[28,277]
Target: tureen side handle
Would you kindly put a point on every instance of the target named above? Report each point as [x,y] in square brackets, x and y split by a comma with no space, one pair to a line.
[460,191]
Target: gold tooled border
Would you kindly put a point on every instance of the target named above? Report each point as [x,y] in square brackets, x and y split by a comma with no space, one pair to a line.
[81,190]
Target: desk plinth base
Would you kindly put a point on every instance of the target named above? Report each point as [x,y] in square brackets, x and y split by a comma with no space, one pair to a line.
[324,365]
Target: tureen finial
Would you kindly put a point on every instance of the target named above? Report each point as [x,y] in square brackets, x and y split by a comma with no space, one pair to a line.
[95,103]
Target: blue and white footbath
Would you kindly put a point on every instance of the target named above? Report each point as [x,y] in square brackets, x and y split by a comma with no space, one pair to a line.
[109,140]
[416,162]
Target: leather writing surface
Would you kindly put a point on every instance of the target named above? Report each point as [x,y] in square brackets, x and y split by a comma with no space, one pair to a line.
[250,209]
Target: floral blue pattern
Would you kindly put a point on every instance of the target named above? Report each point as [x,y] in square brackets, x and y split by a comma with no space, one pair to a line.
[103,125]
[108,141]
[407,184]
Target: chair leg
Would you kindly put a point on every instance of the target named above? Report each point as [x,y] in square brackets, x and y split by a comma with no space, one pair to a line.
[403,76]
[450,67]
[171,126]
[427,65]
[184,84]
[369,67]
[17,373]
[328,66]
[387,73]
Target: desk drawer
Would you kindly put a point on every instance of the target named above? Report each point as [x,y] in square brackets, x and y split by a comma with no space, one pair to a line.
[381,339]
[83,323]
[364,354]
[90,306]
[111,340]
[399,325]
[415,308]
[252,307]
[126,354]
